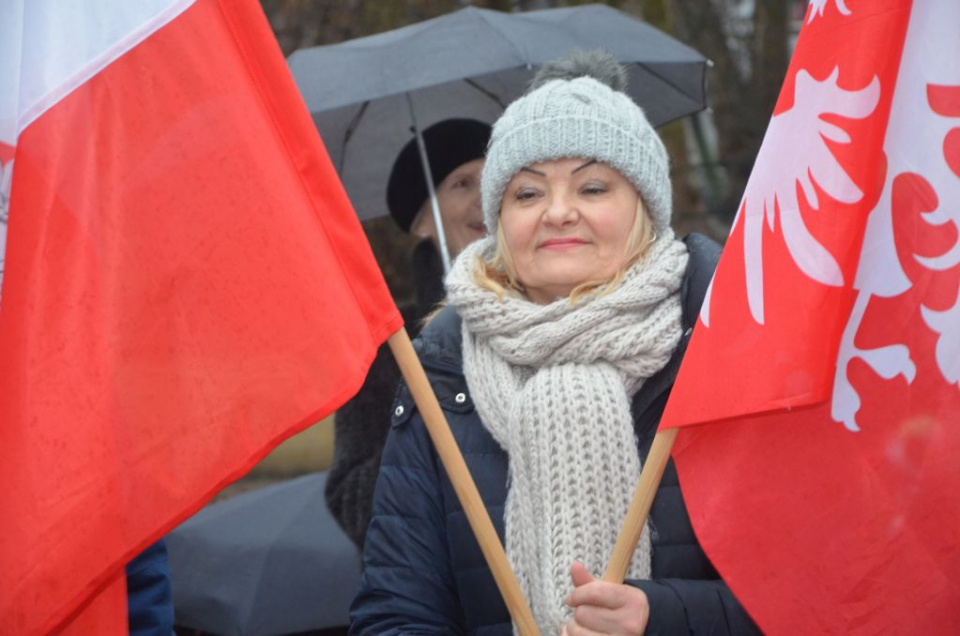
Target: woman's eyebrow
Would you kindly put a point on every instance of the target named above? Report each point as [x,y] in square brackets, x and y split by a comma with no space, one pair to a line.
[537,172]
[589,163]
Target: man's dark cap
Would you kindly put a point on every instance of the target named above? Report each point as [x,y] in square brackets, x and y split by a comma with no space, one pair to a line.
[450,144]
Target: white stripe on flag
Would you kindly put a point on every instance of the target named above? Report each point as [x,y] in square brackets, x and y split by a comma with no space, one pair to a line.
[11,34]
[63,43]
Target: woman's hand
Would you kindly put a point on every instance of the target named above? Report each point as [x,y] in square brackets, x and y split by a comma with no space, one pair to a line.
[604,608]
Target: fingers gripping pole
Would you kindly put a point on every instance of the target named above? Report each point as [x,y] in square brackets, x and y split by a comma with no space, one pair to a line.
[463,484]
[640,505]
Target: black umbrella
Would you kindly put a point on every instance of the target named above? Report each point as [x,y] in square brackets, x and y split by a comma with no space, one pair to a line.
[270,561]
[370,95]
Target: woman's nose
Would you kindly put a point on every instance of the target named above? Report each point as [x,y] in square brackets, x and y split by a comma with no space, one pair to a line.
[561,210]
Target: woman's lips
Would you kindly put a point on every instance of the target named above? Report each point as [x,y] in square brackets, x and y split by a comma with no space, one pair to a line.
[562,244]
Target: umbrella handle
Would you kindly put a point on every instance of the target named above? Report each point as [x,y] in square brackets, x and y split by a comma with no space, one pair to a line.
[428,176]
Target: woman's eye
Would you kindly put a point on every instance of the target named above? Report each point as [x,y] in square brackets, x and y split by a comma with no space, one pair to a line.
[593,188]
[525,194]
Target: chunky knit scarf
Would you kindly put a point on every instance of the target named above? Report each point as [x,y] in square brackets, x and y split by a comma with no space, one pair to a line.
[553,385]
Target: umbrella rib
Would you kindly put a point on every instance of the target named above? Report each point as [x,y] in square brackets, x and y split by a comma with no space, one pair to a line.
[487,92]
[349,133]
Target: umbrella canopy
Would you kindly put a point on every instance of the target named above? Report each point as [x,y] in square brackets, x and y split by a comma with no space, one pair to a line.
[270,561]
[366,94]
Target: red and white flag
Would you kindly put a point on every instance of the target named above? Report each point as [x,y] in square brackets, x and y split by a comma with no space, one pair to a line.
[827,358]
[184,285]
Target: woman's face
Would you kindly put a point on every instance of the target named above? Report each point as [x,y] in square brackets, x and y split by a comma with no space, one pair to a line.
[458,196]
[565,223]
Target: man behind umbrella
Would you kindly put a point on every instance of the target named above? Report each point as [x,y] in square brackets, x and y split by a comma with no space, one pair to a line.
[455,149]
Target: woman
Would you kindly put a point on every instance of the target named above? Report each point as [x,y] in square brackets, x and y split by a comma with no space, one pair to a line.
[553,363]
[455,149]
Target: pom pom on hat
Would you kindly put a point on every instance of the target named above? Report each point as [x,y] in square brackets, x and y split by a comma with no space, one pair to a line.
[599,65]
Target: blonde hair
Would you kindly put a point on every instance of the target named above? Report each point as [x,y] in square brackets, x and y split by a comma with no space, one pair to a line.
[499,274]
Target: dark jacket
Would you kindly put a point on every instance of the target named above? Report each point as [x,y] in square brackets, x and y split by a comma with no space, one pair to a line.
[149,597]
[424,571]
[361,425]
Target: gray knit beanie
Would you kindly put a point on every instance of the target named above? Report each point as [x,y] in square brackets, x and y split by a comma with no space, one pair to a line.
[576,107]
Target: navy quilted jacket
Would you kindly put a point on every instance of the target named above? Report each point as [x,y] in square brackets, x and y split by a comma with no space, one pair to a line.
[424,572]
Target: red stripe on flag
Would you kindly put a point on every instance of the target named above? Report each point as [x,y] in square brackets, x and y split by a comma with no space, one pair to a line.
[186,286]
[104,614]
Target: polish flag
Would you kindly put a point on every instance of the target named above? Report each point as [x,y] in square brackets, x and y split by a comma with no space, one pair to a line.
[821,391]
[184,284]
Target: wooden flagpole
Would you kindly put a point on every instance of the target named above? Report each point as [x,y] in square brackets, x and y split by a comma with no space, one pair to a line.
[463,484]
[639,508]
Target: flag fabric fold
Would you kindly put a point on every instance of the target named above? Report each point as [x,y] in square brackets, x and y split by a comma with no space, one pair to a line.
[185,283]
[819,397]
